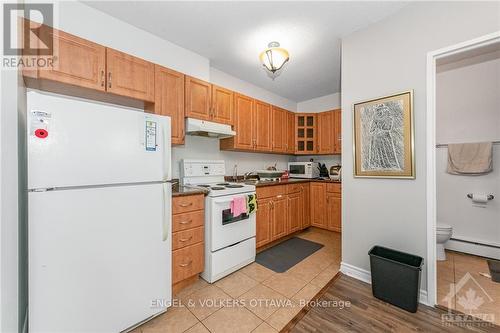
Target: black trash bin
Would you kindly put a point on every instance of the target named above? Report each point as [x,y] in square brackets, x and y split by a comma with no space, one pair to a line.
[396,277]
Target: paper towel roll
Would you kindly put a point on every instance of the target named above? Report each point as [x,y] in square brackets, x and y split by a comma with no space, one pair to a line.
[479,198]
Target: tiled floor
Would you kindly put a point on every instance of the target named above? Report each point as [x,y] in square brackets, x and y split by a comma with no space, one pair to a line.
[253,299]
[472,294]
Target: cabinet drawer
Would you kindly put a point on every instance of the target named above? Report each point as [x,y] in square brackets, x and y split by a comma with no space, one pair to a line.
[187,262]
[187,203]
[187,220]
[294,188]
[187,237]
[334,188]
[271,191]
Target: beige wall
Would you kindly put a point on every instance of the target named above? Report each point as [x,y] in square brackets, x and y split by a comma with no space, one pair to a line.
[384,58]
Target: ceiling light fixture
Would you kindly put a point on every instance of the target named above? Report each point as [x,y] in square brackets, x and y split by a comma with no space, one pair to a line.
[274,58]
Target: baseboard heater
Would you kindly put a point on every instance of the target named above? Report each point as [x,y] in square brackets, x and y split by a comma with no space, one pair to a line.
[487,250]
[475,243]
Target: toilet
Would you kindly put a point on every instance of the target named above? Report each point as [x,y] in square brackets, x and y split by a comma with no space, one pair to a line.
[443,234]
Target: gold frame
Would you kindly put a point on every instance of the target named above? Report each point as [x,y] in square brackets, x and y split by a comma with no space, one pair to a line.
[409,172]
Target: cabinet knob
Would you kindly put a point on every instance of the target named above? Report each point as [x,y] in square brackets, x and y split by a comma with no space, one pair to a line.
[109,80]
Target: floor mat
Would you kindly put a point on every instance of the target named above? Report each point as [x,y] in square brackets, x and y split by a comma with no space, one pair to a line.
[285,255]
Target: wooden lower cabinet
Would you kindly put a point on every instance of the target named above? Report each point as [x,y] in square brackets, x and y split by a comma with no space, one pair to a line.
[318,205]
[187,238]
[279,217]
[295,211]
[307,207]
[282,210]
[334,211]
[187,262]
[326,206]
[263,219]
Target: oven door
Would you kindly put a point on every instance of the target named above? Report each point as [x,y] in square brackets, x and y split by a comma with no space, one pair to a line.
[227,229]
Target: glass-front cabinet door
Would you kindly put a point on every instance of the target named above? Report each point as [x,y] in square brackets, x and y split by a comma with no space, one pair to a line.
[305,133]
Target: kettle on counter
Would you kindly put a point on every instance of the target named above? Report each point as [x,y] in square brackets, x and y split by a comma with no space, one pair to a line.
[336,172]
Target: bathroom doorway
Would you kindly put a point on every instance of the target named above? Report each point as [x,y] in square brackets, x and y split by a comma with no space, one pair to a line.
[464,178]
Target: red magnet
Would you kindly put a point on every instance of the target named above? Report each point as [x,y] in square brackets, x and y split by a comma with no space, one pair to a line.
[41,133]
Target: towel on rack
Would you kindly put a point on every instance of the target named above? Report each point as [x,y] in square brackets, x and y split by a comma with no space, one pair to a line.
[470,158]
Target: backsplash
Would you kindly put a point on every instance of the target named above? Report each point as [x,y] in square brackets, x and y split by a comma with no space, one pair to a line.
[329,160]
[201,148]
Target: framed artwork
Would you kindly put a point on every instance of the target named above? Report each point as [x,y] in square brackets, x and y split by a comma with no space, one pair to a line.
[383,137]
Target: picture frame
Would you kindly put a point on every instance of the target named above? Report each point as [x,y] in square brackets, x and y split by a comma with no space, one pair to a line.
[383,142]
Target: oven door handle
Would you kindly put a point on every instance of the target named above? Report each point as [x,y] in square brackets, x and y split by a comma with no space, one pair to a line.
[228,200]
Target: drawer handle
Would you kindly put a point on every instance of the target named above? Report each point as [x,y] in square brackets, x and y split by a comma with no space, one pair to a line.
[279,196]
[186,222]
[186,239]
[183,205]
[186,264]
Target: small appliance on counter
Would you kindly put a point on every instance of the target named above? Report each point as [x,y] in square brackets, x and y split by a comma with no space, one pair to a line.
[303,169]
[323,171]
[336,172]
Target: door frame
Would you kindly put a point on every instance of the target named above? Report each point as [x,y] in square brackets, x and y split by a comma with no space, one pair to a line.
[432,57]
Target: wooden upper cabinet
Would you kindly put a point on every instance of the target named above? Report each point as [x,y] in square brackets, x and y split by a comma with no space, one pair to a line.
[279,127]
[130,76]
[222,110]
[169,100]
[77,62]
[318,205]
[337,140]
[244,122]
[290,133]
[262,129]
[326,132]
[305,134]
[198,99]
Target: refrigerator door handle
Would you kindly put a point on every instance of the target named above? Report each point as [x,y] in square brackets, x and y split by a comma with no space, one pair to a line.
[167,164]
[166,205]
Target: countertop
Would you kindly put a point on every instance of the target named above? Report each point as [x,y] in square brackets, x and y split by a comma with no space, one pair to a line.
[295,180]
[178,190]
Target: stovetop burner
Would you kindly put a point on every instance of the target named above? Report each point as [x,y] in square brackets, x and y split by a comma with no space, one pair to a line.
[233,186]
[204,185]
[216,188]
[223,184]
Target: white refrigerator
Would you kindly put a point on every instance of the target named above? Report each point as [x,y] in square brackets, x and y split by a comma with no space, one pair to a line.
[99,216]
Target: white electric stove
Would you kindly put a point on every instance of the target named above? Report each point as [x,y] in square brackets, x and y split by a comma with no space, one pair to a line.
[229,240]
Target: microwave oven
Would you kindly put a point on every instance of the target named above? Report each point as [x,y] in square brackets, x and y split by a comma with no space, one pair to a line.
[303,169]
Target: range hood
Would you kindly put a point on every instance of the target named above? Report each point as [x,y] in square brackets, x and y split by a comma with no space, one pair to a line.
[208,129]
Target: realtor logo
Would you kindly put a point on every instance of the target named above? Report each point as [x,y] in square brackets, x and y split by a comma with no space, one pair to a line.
[30,40]
[467,296]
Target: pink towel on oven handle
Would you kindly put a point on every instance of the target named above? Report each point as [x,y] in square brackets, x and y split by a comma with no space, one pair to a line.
[238,205]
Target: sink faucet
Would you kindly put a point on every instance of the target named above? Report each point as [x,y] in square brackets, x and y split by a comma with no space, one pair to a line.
[246,174]
[235,173]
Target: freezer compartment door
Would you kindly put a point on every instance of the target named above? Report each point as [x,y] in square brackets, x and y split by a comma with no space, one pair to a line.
[99,260]
[75,142]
